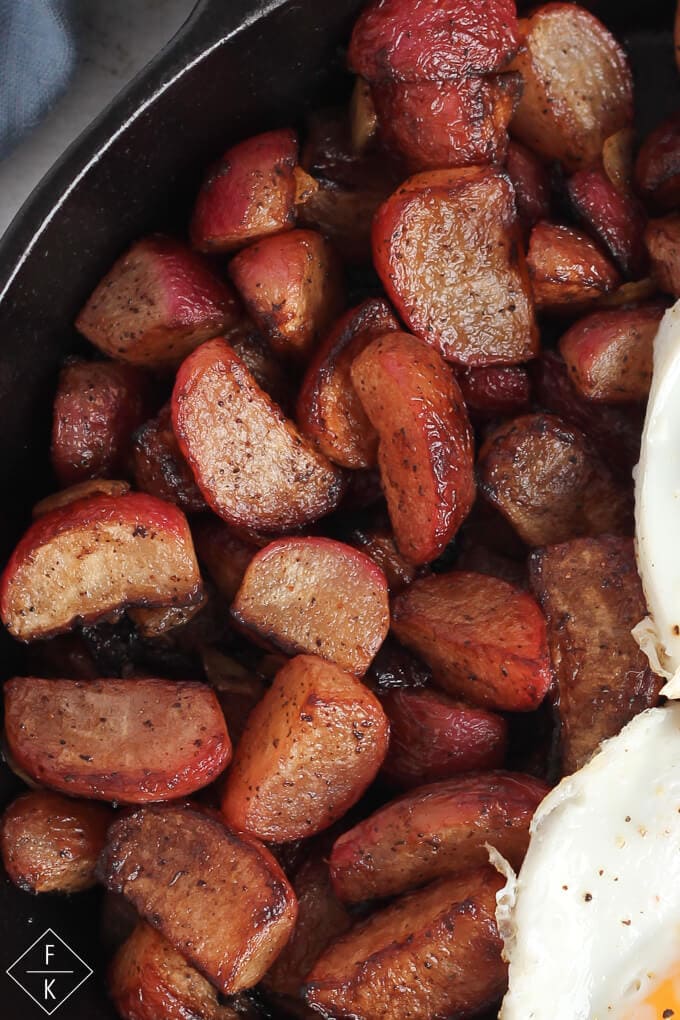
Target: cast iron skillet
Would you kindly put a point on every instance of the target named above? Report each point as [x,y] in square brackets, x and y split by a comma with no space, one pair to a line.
[235,68]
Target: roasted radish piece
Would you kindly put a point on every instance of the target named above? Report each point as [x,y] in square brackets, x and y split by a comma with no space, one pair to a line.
[662,238]
[268,371]
[148,979]
[159,467]
[321,918]
[249,194]
[609,354]
[316,596]
[224,555]
[435,831]
[49,843]
[378,543]
[592,597]
[433,737]
[97,407]
[578,88]
[495,389]
[531,182]
[310,749]
[253,467]
[81,490]
[158,302]
[657,170]
[483,639]
[547,480]
[566,268]
[219,898]
[329,411]
[470,211]
[433,41]
[615,218]
[436,124]
[425,450]
[133,740]
[292,287]
[96,557]
[432,953]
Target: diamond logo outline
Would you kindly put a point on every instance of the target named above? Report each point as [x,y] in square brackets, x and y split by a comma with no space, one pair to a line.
[88,972]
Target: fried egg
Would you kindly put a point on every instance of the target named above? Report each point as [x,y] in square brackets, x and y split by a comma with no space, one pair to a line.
[591,925]
[657,509]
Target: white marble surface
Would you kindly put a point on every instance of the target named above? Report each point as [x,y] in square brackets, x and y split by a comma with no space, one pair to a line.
[117,38]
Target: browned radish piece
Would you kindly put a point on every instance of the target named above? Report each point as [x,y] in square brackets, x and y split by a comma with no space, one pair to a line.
[310,749]
[95,557]
[97,407]
[159,467]
[329,410]
[435,124]
[132,740]
[316,596]
[378,543]
[432,953]
[269,372]
[662,238]
[592,597]
[547,480]
[433,41]
[362,116]
[609,354]
[483,639]
[434,831]
[293,288]
[81,490]
[249,194]
[49,843]
[425,450]
[578,88]
[219,898]
[531,182]
[148,979]
[158,302]
[238,689]
[495,389]
[615,218]
[224,555]
[470,211]
[657,169]
[566,268]
[617,159]
[253,467]
[156,622]
[433,737]
[321,918]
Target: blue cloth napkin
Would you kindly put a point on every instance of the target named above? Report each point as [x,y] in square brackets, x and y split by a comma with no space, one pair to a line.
[37,57]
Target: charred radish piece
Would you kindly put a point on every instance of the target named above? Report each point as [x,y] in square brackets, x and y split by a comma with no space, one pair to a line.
[436,830]
[567,269]
[470,211]
[662,238]
[432,953]
[97,407]
[159,467]
[250,193]
[378,543]
[95,557]
[253,467]
[293,288]
[657,170]
[548,481]
[329,411]
[483,639]
[615,218]
[316,596]
[433,737]
[157,303]
[311,747]
[578,87]
[433,41]
[81,490]
[424,441]
[133,740]
[531,182]
[219,898]
[154,623]
[496,389]
[609,354]
[49,843]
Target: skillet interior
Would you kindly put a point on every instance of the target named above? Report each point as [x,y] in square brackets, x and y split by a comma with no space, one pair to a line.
[284,59]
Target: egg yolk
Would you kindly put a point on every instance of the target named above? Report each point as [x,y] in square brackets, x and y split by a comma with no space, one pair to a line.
[662,1003]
